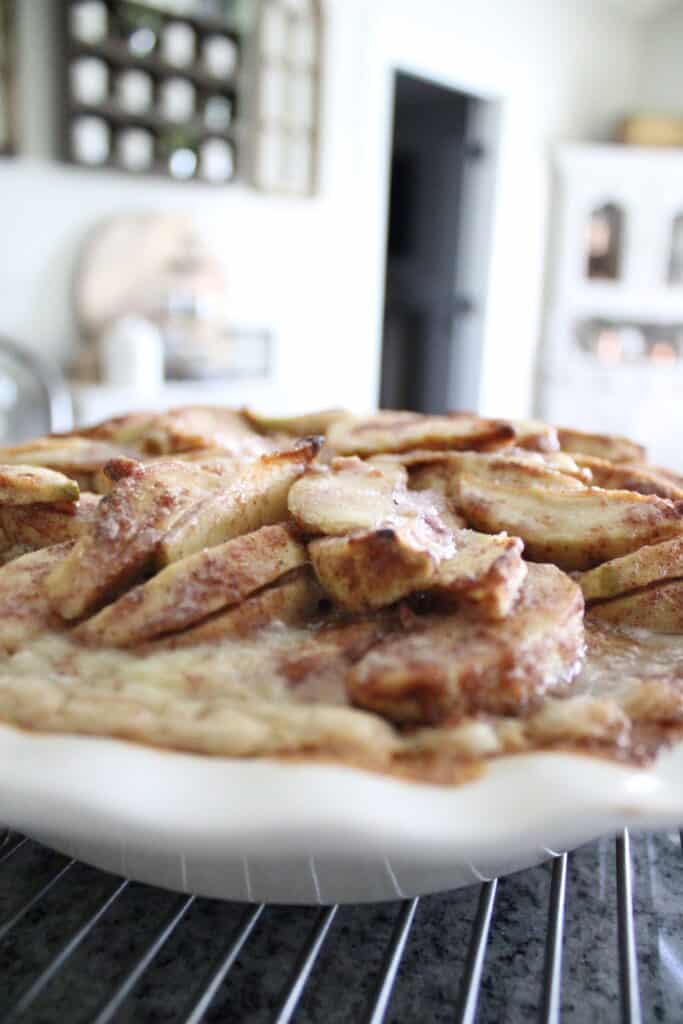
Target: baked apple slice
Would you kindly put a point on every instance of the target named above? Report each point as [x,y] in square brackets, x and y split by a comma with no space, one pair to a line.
[650,564]
[213,459]
[623,476]
[24,609]
[25,528]
[576,529]
[29,485]
[451,666]
[669,475]
[535,435]
[294,599]
[517,467]
[254,493]
[486,573]
[76,457]
[194,588]
[390,431]
[177,430]
[347,495]
[129,429]
[202,426]
[604,446]
[306,425]
[658,607]
[366,571]
[644,588]
[125,532]
[352,494]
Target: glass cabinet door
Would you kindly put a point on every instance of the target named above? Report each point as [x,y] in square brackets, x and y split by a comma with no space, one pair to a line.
[675,275]
[604,239]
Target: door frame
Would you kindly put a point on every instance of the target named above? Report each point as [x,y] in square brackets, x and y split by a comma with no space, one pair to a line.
[398,44]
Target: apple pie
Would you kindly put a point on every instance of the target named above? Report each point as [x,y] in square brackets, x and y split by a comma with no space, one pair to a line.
[399,592]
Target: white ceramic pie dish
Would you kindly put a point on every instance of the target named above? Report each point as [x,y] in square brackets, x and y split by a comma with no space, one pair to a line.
[297,833]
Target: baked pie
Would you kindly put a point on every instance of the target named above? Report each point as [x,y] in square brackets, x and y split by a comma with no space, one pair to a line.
[400,592]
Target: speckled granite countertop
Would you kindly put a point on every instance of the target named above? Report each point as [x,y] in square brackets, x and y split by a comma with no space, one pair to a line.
[342,983]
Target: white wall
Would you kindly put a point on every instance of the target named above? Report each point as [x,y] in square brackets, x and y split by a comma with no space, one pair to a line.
[314,269]
[659,83]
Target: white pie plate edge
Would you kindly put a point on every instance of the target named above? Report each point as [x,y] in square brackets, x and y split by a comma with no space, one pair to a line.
[286,832]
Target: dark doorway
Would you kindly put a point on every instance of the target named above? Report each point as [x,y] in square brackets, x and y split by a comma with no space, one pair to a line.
[439,191]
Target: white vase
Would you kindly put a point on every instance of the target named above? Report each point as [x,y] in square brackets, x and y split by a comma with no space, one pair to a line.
[131,354]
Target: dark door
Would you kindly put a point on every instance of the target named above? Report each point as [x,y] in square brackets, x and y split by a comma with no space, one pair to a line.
[422,305]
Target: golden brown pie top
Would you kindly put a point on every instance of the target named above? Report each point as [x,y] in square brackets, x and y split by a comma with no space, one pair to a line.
[398,592]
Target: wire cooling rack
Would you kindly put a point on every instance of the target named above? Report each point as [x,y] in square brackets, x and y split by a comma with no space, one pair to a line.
[596,935]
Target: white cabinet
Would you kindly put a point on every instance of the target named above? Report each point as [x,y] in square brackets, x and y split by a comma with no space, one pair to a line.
[612,347]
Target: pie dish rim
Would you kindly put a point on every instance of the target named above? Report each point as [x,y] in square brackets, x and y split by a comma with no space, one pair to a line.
[314,833]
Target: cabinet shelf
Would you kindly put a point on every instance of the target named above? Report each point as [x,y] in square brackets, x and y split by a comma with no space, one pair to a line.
[118,55]
[121,118]
[624,302]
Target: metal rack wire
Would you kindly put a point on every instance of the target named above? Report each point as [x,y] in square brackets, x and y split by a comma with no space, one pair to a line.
[557,942]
